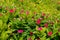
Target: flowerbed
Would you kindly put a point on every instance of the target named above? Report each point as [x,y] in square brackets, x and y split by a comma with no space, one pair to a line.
[29,20]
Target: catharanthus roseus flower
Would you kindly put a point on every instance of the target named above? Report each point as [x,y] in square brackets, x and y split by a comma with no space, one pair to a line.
[20,31]
[46,25]
[29,38]
[50,33]
[43,14]
[27,12]
[31,33]
[11,10]
[38,21]
[40,28]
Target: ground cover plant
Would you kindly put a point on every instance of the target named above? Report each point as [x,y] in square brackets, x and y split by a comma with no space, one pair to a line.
[29,19]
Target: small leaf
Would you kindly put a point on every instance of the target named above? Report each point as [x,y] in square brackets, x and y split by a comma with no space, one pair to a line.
[48,39]
[33,37]
[1,22]
[36,27]
[58,33]
[21,38]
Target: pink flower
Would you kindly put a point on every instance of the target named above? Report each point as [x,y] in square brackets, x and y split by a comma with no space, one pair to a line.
[50,33]
[11,10]
[20,31]
[40,28]
[46,25]
[38,21]
[27,12]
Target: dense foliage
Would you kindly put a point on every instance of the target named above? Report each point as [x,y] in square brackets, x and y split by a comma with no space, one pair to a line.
[29,20]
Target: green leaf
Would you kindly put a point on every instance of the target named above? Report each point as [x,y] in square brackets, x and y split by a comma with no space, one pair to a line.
[15,37]
[28,37]
[43,38]
[4,35]
[21,38]
[33,37]
[36,27]
[1,23]
[58,33]
[48,39]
